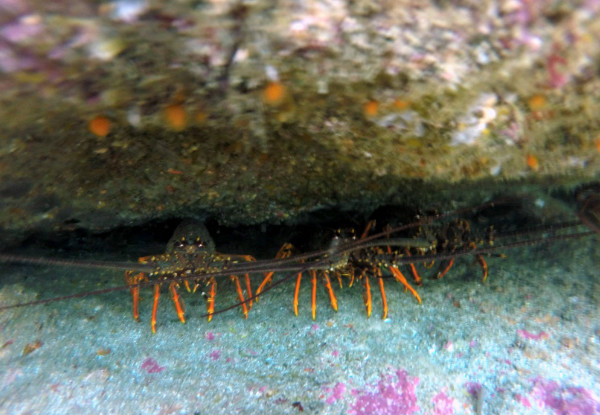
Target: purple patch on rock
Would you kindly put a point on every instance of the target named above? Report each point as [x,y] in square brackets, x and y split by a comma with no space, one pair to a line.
[564,400]
[473,388]
[388,397]
[151,366]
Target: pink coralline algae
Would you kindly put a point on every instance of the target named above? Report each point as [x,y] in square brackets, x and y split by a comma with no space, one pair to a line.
[523,400]
[564,400]
[151,366]
[542,335]
[389,397]
[215,354]
[443,404]
[337,393]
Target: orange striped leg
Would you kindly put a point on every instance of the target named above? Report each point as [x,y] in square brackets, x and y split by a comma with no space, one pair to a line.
[284,252]
[366,284]
[134,281]
[329,289]
[351,278]
[178,305]
[135,293]
[364,275]
[413,269]
[338,275]
[210,301]
[370,224]
[398,276]
[155,307]
[196,285]
[367,293]
[483,266]
[445,271]
[313,280]
[248,290]
[382,290]
[481,261]
[238,288]
[250,258]
[296,292]
[193,289]
[264,282]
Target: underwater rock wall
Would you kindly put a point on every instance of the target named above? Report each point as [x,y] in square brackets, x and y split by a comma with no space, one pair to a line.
[121,112]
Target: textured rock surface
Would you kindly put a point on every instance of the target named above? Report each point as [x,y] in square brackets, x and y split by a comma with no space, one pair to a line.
[129,111]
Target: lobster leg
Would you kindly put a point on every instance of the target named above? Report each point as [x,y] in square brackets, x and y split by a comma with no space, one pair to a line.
[210,301]
[155,307]
[284,252]
[383,298]
[133,281]
[296,292]
[238,288]
[329,289]
[176,301]
[413,269]
[483,266]
[248,290]
[367,292]
[445,270]
[398,276]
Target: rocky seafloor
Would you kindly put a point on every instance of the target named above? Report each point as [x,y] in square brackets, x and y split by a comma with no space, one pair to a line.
[285,121]
[122,112]
[527,341]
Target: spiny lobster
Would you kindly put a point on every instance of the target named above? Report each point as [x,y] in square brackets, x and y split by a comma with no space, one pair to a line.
[191,258]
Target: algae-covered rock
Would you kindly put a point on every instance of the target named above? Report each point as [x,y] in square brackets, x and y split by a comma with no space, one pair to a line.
[122,112]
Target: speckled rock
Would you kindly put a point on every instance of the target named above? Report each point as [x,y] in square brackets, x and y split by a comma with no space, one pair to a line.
[249,114]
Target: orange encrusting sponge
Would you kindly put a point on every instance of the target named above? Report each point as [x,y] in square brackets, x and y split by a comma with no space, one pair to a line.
[99,126]
[176,117]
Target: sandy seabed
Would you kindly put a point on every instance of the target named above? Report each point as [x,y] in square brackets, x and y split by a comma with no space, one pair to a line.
[527,341]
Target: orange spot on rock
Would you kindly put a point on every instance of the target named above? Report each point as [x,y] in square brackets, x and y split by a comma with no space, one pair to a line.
[598,143]
[176,117]
[370,109]
[536,102]
[274,93]
[99,126]
[401,104]
[532,162]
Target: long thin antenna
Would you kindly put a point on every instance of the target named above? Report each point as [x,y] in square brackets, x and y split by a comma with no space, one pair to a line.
[122,266]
